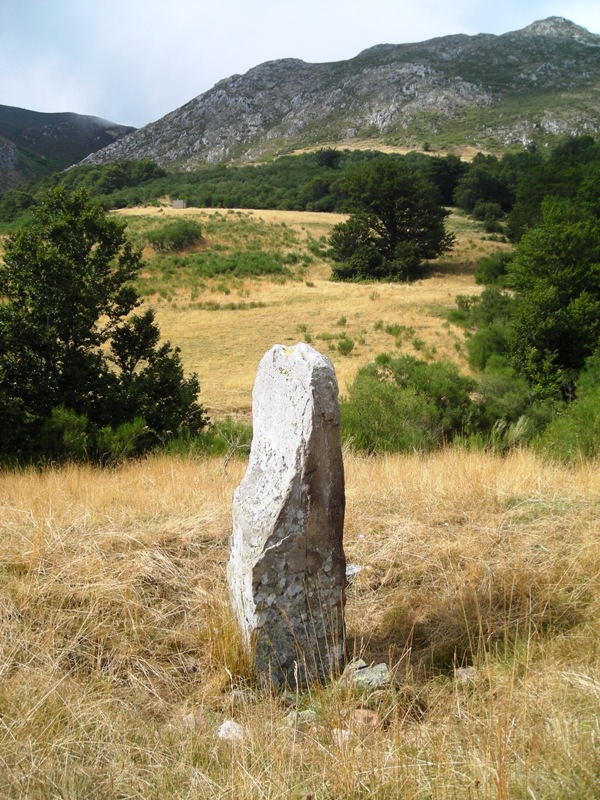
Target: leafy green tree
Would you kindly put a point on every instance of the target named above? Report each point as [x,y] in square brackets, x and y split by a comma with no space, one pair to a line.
[69,339]
[573,163]
[444,172]
[556,276]
[395,222]
[328,157]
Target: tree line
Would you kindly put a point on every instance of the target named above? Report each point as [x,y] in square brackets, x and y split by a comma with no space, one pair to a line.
[504,192]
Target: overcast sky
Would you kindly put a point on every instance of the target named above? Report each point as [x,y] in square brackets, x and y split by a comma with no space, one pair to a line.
[132,61]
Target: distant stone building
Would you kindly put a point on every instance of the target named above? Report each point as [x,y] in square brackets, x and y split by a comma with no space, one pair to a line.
[179,204]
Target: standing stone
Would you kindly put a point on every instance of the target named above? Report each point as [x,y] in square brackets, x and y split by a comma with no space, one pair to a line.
[287,570]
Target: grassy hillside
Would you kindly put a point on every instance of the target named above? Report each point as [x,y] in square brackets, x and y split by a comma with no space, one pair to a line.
[49,142]
[224,323]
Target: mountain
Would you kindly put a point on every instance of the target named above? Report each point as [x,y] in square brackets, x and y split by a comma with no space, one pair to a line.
[33,144]
[485,91]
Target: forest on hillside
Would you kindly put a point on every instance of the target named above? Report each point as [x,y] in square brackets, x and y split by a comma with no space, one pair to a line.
[505,192]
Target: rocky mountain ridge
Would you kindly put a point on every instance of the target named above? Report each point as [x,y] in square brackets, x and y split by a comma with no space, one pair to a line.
[485,91]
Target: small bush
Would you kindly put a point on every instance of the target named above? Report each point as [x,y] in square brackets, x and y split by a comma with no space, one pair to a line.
[116,444]
[493,268]
[393,329]
[486,343]
[378,417]
[404,403]
[345,346]
[223,437]
[175,236]
[575,434]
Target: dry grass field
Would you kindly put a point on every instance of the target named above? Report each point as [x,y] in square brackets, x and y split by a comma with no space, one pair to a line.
[224,346]
[478,584]
[120,662]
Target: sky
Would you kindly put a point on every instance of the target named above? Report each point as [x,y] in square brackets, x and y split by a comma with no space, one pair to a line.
[133,61]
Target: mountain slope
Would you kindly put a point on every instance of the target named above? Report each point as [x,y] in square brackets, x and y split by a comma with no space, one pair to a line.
[33,144]
[484,90]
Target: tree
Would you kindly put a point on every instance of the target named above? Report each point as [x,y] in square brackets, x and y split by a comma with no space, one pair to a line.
[556,276]
[395,222]
[69,339]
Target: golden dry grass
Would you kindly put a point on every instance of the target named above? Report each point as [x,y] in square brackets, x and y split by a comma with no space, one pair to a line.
[224,347]
[119,660]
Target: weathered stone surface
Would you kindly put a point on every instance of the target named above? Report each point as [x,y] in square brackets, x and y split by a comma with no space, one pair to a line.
[287,570]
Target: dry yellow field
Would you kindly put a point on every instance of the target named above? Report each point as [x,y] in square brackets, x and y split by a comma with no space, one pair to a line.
[224,347]
[120,662]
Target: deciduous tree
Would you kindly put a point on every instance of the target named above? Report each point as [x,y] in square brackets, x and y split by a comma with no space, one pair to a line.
[395,223]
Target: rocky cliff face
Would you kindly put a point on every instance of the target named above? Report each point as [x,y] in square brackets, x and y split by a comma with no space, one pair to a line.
[487,91]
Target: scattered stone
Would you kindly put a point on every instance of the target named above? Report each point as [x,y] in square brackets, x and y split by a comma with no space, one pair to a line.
[231,731]
[287,570]
[464,674]
[359,673]
[301,719]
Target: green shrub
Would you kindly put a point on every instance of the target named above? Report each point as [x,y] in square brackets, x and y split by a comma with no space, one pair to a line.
[404,403]
[393,329]
[575,434]
[175,236]
[345,346]
[484,211]
[486,343]
[221,438]
[379,417]
[116,444]
[493,268]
